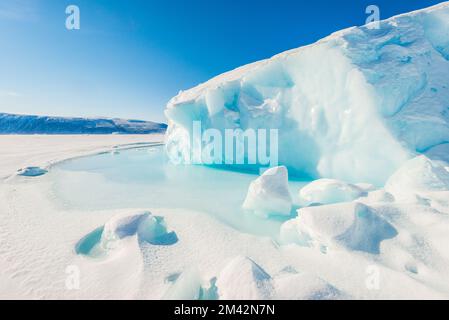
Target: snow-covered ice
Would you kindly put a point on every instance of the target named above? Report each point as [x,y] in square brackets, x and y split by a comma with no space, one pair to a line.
[418,175]
[353,225]
[142,225]
[31,172]
[269,194]
[328,191]
[186,286]
[301,286]
[343,241]
[242,278]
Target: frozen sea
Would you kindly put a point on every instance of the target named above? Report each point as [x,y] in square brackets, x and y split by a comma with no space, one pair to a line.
[144,177]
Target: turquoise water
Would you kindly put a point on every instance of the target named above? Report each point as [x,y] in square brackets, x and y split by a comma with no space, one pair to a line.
[143,178]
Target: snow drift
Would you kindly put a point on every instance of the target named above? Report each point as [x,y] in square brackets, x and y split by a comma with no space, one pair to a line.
[354,106]
[352,225]
[242,278]
[142,226]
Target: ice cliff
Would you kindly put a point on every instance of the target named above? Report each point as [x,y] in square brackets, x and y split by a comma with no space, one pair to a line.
[354,106]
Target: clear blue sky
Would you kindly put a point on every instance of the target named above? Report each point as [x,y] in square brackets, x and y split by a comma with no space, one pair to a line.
[131,56]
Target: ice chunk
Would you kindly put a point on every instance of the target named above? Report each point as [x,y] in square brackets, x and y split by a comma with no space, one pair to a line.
[146,226]
[210,291]
[31,172]
[154,230]
[269,194]
[352,225]
[328,191]
[121,226]
[87,244]
[418,175]
[243,279]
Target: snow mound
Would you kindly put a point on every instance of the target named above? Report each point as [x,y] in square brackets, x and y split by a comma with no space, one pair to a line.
[418,175]
[243,279]
[354,106]
[269,194]
[379,196]
[329,191]
[144,226]
[302,286]
[31,172]
[353,225]
[187,286]
[147,227]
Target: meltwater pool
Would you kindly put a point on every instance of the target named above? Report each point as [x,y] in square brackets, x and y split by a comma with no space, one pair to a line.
[144,178]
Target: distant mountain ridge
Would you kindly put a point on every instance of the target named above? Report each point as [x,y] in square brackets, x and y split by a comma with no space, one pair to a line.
[31,124]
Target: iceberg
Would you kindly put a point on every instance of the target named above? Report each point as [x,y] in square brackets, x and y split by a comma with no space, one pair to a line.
[354,106]
[269,194]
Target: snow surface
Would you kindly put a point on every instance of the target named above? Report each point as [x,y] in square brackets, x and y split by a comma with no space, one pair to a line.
[360,98]
[404,242]
[21,151]
[242,278]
